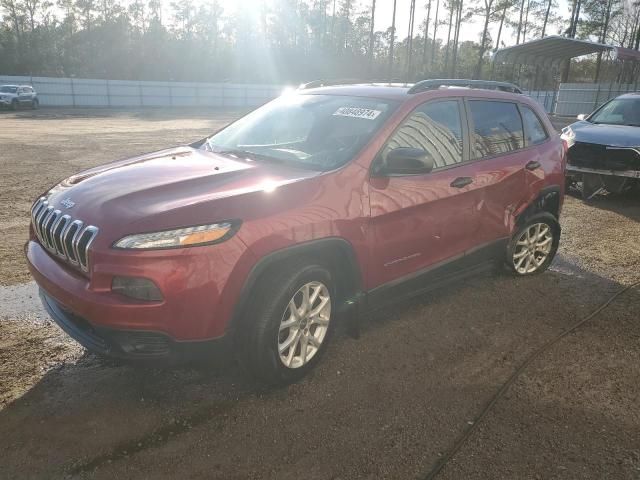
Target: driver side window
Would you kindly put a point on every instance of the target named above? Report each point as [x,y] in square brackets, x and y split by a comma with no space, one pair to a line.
[435,127]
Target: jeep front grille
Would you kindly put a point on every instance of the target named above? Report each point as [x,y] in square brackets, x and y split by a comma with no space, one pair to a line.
[62,235]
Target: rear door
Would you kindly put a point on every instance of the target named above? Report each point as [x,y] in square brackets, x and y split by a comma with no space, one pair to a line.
[498,147]
[546,156]
[418,221]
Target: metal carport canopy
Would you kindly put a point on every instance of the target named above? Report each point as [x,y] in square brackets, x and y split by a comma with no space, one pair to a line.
[549,50]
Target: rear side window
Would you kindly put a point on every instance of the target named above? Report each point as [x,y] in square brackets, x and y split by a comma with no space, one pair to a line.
[435,127]
[533,129]
[497,128]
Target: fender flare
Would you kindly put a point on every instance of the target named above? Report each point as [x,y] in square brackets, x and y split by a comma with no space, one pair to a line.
[549,199]
[349,282]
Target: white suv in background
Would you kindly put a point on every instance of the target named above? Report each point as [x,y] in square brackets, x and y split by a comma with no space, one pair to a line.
[14,96]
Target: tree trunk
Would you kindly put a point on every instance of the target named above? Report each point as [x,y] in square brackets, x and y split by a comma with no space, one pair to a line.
[504,14]
[575,15]
[603,38]
[454,63]
[371,35]
[435,30]
[391,43]
[520,23]
[526,22]
[487,14]
[426,36]
[546,19]
[446,53]
[577,18]
[412,18]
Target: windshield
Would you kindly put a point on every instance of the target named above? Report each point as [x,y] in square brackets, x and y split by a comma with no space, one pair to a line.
[621,111]
[6,89]
[320,132]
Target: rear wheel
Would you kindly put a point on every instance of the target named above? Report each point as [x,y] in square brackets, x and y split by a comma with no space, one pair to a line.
[532,248]
[289,323]
[35,104]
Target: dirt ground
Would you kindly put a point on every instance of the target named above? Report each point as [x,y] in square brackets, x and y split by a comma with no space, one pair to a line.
[388,405]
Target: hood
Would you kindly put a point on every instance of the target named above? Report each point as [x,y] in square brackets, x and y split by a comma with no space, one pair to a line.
[613,135]
[167,189]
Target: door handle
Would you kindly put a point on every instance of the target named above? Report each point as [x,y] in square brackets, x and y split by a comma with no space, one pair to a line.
[461,182]
[532,165]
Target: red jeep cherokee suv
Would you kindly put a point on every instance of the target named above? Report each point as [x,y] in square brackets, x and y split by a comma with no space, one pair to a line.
[324,201]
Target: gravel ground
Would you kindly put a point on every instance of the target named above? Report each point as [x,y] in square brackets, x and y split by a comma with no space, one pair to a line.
[388,405]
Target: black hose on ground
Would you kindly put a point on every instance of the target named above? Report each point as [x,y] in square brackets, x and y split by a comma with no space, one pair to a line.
[439,465]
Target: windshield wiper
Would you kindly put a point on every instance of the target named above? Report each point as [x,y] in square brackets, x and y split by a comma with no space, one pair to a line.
[239,153]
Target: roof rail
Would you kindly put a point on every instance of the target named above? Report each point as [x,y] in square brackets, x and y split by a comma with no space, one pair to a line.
[425,85]
[327,83]
[349,81]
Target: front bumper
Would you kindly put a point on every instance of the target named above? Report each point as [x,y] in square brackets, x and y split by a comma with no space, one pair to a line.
[128,344]
[199,290]
[574,170]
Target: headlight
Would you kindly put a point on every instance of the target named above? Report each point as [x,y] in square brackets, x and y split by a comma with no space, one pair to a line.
[568,132]
[180,237]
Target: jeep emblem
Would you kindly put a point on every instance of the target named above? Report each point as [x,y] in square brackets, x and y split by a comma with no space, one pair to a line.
[67,203]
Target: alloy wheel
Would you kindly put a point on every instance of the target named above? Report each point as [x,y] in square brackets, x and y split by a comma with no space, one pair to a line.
[532,248]
[304,325]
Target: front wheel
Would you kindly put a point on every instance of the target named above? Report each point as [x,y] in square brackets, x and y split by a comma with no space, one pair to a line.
[532,248]
[289,323]
[14,105]
[35,104]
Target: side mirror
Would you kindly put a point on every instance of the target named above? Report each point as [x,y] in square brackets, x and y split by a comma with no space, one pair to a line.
[406,161]
[582,116]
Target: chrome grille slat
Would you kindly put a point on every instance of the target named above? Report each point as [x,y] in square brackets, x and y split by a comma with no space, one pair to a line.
[63,236]
[45,226]
[58,229]
[66,243]
[38,221]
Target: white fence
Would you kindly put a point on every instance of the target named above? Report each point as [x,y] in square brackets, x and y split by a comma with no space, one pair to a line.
[81,92]
[546,98]
[576,98]
[570,99]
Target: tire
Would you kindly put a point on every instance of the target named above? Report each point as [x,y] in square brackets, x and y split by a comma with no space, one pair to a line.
[527,255]
[14,105]
[262,335]
[35,104]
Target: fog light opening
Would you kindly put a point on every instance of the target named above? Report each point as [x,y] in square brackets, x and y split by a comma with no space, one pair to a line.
[137,288]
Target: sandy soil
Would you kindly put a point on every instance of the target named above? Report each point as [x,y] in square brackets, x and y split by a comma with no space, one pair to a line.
[385,406]
[40,148]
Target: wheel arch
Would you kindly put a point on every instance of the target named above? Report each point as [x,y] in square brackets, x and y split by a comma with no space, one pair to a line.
[548,200]
[335,253]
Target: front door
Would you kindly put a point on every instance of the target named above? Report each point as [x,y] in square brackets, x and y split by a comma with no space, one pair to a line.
[419,221]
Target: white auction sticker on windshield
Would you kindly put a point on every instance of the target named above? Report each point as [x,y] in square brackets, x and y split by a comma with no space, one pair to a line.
[356,112]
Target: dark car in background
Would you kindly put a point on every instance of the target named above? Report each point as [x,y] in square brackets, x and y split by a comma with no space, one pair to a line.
[604,147]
